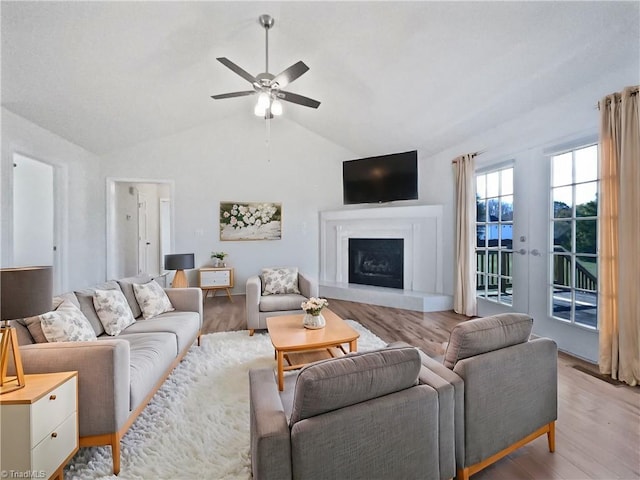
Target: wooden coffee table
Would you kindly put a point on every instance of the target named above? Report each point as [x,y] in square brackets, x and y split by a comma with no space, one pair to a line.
[300,346]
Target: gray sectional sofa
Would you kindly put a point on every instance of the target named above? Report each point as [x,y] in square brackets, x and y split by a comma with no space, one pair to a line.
[117,375]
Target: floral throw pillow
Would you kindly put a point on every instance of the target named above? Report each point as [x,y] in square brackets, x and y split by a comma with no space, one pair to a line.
[66,324]
[278,281]
[152,299]
[113,311]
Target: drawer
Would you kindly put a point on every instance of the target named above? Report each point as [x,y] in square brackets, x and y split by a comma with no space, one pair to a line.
[52,409]
[215,279]
[56,446]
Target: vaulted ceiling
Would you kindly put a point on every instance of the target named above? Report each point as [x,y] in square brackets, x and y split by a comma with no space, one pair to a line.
[391,76]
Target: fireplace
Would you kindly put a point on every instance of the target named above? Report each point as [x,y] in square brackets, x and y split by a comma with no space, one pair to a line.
[377,261]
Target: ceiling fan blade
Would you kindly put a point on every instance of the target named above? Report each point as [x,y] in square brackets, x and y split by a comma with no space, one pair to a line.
[232,66]
[299,99]
[233,94]
[290,74]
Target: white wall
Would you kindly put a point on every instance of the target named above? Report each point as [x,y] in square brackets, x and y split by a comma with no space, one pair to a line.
[231,161]
[79,196]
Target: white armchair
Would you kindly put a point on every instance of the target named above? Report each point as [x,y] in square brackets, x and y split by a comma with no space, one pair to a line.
[260,306]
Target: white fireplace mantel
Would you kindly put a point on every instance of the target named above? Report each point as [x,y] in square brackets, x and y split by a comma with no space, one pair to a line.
[420,226]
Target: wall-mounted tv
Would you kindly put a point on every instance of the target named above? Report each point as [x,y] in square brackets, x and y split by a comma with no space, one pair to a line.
[381,179]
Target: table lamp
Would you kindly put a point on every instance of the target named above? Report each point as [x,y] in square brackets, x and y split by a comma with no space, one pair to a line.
[179,262]
[25,292]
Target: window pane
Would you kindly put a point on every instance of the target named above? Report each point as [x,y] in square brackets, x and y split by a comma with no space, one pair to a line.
[587,164]
[562,235]
[492,286]
[480,261]
[493,209]
[506,265]
[480,291]
[481,183]
[506,209]
[507,181]
[481,235]
[562,270]
[562,303]
[562,169]
[492,262]
[586,308]
[586,236]
[506,236]
[493,184]
[481,210]
[492,234]
[587,200]
[562,202]
[586,273]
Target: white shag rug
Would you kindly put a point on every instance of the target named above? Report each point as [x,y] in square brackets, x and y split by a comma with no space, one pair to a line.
[197,425]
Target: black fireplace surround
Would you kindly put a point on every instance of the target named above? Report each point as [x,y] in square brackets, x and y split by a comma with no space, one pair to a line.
[377,261]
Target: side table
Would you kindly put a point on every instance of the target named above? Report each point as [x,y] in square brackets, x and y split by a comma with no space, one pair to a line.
[216,278]
[39,433]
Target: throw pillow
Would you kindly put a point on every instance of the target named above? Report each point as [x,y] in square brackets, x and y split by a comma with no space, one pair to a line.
[152,298]
[278,281]
[66,324]
[113,311]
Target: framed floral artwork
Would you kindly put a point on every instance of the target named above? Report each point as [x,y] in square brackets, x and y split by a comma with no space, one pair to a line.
[250,221]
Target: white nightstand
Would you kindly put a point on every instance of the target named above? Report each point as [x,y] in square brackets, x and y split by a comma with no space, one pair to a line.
[213,279]
[39,432]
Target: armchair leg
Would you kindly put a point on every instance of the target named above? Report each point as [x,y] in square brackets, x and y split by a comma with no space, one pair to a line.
[115,453]
[551,437]
[251,332]
[463,474]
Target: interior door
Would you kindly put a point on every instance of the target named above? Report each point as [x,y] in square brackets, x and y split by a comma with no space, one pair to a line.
[143,234]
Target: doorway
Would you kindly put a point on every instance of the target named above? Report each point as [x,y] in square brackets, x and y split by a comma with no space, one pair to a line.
[139,226]
[34,216]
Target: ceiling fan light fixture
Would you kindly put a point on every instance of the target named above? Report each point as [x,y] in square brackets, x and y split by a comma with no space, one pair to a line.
[276,107]
[264,100]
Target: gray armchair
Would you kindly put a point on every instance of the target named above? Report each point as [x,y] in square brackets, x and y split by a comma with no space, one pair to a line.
[260,306]
[505,389]
[362,416]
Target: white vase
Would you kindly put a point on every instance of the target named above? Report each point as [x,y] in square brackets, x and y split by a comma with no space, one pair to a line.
[313,322]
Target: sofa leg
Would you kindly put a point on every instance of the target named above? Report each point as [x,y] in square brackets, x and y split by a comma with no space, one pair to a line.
[251,332]
[551,437]
[115,453]
[199,335]
[463,474]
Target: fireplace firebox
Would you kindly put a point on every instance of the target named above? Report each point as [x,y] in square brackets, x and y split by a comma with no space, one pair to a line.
[377,261]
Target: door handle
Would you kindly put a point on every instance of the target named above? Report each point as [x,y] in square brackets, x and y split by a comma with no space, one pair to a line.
[522,251]
[535,252]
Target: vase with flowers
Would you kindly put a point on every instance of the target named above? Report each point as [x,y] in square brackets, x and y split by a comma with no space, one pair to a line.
[218,259]
[313,318]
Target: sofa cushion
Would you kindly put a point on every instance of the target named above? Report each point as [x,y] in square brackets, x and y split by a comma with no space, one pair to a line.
[85,300]
[113,310]
[184,325]
[66,324]
[275,303]
[278,281]
[126,285]
[336,383]
[150,357]
[482,335]
[152,299]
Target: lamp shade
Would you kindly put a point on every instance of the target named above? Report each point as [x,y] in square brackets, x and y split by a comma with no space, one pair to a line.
[179,261]
[26,291]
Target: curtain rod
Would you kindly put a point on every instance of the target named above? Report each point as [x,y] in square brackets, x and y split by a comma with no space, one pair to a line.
[473,155]
[634,91]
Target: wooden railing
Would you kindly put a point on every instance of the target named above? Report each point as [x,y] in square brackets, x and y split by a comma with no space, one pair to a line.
[503,269]
[585,280]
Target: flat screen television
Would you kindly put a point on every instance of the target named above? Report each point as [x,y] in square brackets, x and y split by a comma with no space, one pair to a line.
[380,179]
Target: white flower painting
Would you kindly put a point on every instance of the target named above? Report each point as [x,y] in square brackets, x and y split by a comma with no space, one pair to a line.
[250,221]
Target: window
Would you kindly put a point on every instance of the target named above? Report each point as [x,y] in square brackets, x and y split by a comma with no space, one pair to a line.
[494,235]
[574,240]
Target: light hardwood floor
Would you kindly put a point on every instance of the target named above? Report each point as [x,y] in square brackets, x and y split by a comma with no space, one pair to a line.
[598,427]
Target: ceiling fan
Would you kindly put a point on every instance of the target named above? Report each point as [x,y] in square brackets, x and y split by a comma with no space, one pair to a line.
[267,86]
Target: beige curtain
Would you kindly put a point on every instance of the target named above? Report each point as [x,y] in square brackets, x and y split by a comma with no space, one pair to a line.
[619,230]
[464,296]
